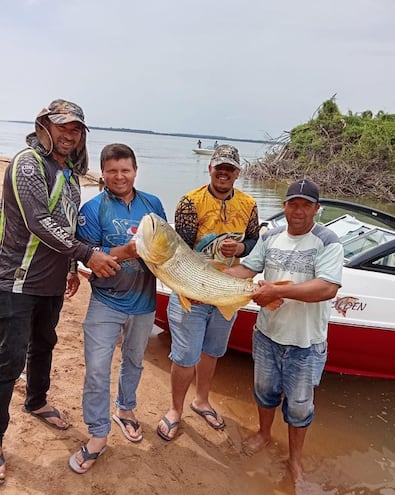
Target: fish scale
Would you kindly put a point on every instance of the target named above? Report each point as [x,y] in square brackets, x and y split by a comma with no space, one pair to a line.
[204,282]
[187,272]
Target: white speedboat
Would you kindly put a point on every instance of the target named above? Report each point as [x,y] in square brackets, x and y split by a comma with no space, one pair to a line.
[361,333]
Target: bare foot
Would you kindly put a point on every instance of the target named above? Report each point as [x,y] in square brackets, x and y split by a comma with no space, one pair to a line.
[255,443]
[303,487]
[2,467]
[296,470]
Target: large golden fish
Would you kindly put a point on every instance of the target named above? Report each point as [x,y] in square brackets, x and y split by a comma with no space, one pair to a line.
[186,272]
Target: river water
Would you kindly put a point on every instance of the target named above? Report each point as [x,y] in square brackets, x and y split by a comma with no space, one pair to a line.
[167,165]
[350,448]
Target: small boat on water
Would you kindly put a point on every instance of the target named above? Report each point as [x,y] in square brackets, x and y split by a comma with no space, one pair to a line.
[203,151]
[361,332]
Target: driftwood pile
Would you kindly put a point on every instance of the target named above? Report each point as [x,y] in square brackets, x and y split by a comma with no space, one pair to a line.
[337,178]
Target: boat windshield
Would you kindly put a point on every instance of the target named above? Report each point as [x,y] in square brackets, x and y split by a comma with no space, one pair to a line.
[331,210]
[362,240]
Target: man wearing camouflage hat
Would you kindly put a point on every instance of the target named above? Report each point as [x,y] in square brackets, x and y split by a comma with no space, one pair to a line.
[38,249]
[221,222]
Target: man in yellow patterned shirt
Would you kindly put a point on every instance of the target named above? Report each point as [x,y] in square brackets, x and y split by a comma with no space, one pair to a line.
[221,222]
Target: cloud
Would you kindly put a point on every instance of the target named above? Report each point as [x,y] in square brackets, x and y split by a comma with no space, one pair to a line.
[213,67]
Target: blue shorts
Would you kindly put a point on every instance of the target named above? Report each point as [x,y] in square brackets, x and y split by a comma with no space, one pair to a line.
[289,371]
[203,329]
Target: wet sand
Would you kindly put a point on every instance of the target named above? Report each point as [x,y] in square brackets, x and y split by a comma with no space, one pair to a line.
[349,449]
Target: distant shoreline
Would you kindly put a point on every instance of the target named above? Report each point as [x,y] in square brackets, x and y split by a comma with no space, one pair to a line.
[91,178]
[176,134]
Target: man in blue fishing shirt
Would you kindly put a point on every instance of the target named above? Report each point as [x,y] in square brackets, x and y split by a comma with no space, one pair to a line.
[120,305]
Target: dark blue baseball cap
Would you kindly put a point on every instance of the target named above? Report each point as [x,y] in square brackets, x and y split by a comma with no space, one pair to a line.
[305,189]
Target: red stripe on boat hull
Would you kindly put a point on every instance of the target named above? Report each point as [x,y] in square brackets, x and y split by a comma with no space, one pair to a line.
[351,350]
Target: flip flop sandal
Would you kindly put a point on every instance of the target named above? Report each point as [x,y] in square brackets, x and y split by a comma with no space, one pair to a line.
[123,423]
[43,416]
[86,456]
[170,426]
[209,412]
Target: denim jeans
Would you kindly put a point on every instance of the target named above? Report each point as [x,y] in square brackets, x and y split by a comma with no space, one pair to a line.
[102,328]
[289,374]
[27,330]
[203,329]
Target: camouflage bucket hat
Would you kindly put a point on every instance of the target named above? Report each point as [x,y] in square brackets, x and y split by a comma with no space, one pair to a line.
[63,112]
[226,154]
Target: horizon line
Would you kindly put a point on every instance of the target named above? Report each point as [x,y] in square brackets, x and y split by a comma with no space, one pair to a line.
[156,133]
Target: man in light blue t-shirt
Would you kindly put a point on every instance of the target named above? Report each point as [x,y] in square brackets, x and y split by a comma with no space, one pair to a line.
[290,337]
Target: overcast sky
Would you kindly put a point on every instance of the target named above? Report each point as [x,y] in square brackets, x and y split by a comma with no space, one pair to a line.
[246,68]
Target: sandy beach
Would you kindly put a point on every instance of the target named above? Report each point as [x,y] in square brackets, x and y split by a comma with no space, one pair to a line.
[350,446]
[201,460]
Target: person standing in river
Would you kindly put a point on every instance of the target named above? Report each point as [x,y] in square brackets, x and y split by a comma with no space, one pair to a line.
[38,215]
[221,222]
[290,337]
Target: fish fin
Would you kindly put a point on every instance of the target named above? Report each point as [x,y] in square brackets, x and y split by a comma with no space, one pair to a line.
[228,311]
[273,305]
[185,302]
[283,282]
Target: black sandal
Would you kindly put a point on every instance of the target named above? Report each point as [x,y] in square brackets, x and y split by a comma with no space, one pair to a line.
[86,456]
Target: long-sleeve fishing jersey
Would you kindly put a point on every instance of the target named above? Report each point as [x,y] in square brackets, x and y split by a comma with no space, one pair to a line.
[38,216]
[204,221]
[106,221]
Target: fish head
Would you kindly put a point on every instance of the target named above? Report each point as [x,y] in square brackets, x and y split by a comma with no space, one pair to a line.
[156,240]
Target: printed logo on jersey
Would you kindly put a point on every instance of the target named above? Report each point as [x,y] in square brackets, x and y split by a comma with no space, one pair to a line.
[81,220]
[28,169]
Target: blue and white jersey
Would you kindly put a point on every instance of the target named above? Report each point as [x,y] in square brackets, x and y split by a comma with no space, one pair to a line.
[107,221]
[281,256]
